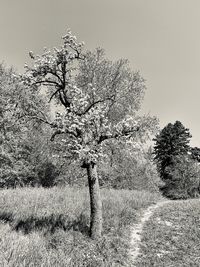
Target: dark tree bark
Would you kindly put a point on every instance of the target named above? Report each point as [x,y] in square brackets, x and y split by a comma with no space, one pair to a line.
[95,202]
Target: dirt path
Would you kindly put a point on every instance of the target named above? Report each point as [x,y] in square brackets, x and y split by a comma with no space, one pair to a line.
[136,230]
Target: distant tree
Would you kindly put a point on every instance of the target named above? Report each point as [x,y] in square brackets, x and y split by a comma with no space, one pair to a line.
[170,143]
[18,154]
[11,132]
[84,120]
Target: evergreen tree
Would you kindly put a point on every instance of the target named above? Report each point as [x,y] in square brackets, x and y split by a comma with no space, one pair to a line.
[170,143]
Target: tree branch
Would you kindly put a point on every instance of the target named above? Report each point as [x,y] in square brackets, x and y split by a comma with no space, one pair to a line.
[63,131]
[54,94]
[56,133]
[56,75]
[94,103]
[46,82]
[34,117]
[115,136]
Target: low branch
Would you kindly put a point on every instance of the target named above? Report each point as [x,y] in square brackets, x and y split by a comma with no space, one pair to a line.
[34,117]
[47,82]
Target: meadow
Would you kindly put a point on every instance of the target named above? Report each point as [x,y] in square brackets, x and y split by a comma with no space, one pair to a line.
[171,238]
[49,227]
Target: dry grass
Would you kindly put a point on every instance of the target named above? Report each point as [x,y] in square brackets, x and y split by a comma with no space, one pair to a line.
[171,237]
[49,227]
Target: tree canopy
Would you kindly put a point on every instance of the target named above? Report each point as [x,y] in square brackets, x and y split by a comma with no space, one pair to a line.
[100,88]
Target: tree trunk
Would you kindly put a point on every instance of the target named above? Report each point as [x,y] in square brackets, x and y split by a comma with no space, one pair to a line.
[95,202]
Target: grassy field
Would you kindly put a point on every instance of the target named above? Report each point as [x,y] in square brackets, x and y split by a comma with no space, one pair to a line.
[49,227]
[171,238]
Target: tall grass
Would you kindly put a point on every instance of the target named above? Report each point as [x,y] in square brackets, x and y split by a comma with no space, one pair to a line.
[49,227]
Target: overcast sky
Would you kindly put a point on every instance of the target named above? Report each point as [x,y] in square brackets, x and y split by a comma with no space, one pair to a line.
[161,38]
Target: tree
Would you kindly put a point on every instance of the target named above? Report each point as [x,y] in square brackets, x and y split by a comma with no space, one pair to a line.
[84,120]
[170,143]
[12,133]
[19,142]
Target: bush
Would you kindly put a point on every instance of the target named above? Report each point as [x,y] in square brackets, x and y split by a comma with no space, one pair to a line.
[184,179]
[47,174]
[18,176]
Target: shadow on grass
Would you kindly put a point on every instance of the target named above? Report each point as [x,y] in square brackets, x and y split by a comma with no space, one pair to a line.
[46,224]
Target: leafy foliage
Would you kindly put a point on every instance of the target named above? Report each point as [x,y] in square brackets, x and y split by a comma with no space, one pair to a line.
[113,82]
[11,131]
[22,138]
[85,120]
[129,167]
[184,179]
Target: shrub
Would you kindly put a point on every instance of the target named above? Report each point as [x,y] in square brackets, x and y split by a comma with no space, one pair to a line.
[47,173]
[184,179]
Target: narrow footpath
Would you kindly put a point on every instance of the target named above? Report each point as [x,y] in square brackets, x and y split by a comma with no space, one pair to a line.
[167,235]
[136,230]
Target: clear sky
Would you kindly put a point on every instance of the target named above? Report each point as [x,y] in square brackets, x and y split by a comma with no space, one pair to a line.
[161,38]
